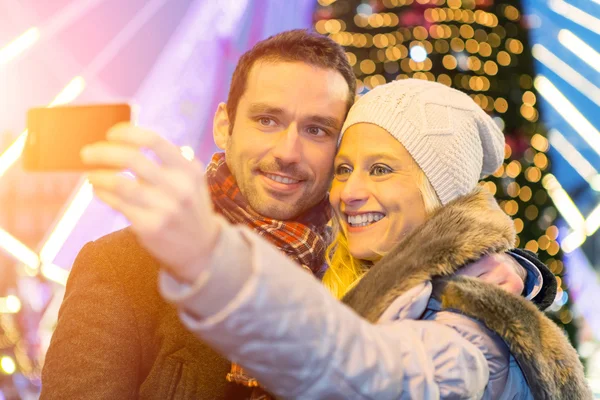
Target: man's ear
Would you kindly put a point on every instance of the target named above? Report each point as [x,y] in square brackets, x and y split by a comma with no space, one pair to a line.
[221,127]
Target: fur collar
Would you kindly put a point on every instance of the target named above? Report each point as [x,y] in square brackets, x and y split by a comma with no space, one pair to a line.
[465,230]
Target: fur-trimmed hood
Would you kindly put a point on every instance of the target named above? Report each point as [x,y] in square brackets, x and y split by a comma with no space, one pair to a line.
[465,230]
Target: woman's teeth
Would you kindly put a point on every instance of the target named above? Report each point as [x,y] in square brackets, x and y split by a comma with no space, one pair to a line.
[281,179]
[364,219]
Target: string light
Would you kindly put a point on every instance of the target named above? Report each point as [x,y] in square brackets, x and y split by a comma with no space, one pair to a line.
[66,223]
[568,111]
[562,69]
[19,45]
[8,365]
[580,48]
[10,305]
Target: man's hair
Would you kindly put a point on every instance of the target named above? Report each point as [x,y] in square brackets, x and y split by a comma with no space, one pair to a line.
[297,45]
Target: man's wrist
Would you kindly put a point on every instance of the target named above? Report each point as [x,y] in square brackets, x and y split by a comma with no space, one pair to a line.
[189,272]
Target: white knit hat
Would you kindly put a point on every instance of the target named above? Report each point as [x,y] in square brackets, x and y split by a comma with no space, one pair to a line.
[451,138]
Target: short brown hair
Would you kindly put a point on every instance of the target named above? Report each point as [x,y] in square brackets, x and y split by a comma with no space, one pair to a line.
[296,45]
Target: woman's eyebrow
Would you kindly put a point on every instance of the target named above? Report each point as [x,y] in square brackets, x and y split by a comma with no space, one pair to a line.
[386,155]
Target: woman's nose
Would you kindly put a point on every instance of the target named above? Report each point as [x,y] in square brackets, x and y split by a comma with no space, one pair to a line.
[355,189]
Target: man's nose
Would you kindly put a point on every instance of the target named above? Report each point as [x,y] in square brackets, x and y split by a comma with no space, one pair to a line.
[288,148]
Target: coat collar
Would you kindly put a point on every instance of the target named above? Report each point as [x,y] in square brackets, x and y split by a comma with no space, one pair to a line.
[465,230]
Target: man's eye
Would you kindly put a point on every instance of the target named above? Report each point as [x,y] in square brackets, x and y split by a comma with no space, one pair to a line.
[379,170]
[316,131]
[264,121]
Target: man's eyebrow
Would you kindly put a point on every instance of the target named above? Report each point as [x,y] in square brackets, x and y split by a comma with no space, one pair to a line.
[260,108]
[329,122]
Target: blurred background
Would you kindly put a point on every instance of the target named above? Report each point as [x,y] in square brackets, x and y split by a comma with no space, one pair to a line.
[533,65]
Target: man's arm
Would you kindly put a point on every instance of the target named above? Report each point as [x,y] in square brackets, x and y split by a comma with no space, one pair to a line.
[517,271]
[94,352]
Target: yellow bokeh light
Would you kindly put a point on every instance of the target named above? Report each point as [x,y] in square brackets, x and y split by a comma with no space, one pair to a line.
[449,61]
[519,225]
[511,207]
[533,174]
[473,63]
[457,45]
[544,242]
[485,50]
[351,58]
[367,66]
[514,46]
[539,143]
[552,232]
[532,245]
[360,20]
[490,187]
[525,194]
[490,68]
[387,19]
[529,98]
[503,58]
[444,79]
[420,33]
[472,46]
[511,13]
[553,249]
[466,31]
[527,111]
[500,171]
[513,169]
[556,266]
[541,161]
[454,4]
[501,105]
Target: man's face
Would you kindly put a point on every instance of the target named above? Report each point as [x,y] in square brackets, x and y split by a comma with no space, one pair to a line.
[284,136]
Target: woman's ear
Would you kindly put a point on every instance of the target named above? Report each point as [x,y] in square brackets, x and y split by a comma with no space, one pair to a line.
[221,127]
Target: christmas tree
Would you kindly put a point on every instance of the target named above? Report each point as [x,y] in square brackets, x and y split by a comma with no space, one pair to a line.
[479,47]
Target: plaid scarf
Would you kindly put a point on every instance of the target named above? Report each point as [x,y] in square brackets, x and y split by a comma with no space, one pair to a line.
[302,240]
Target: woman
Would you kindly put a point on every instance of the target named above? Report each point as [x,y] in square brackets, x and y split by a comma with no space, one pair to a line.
[408,215]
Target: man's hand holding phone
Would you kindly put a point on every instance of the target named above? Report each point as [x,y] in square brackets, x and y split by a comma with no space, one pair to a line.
[166,201]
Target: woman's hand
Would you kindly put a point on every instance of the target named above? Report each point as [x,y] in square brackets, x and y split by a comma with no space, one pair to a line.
[498,269]
[166,201]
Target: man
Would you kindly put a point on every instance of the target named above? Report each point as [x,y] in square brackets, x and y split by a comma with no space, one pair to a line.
[116,337]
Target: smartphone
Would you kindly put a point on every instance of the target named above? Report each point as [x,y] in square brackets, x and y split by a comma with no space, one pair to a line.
[56,135]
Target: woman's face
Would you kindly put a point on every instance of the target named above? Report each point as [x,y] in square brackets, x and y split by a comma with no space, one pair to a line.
[375,191]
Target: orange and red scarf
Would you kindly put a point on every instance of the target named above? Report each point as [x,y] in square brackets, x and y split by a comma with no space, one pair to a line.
[302,240]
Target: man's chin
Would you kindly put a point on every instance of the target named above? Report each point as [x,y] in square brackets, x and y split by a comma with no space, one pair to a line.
[276,209]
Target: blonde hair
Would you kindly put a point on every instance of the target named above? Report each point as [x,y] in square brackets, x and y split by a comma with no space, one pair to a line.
[345,271]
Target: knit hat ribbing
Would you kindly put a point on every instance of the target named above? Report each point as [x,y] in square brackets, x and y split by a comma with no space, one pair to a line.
[449,136]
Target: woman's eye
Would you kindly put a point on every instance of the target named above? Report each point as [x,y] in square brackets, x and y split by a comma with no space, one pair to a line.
[379,170]
[342,170]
